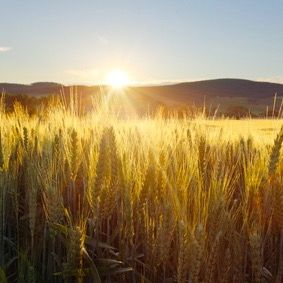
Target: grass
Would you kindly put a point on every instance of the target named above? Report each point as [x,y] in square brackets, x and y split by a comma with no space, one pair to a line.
[96,198]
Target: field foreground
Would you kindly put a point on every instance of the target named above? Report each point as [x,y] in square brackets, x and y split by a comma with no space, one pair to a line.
[101,199]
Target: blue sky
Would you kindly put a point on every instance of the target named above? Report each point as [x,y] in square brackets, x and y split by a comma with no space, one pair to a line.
[72,41]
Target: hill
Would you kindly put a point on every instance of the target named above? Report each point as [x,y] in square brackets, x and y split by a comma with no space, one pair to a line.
[226,93]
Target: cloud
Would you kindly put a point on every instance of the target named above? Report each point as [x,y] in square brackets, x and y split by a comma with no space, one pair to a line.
[102,39]
[5,48]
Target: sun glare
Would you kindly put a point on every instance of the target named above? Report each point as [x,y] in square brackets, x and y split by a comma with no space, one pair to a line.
[117,79]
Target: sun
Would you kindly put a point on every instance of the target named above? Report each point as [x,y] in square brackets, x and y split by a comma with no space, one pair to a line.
[117,79]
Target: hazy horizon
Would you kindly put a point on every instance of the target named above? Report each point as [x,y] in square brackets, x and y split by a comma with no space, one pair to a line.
[144,84]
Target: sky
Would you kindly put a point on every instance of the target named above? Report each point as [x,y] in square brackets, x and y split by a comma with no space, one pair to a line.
[153,41]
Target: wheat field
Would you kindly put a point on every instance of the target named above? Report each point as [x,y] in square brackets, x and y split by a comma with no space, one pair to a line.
[95,198]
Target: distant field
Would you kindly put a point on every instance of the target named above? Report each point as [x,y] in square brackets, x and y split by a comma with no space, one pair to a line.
[99,199]
[262,131]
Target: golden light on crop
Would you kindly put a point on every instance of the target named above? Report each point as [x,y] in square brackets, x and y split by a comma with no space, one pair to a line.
[117,79]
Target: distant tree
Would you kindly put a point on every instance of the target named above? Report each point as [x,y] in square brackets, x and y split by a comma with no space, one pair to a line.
[237,112]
